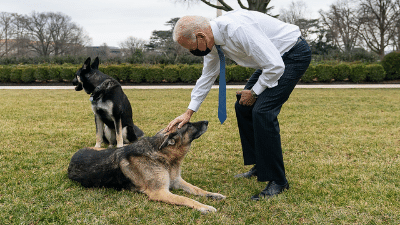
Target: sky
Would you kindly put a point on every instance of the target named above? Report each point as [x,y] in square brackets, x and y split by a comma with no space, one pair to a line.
[112,22]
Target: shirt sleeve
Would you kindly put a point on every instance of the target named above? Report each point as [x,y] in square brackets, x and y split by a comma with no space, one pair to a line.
[259,47]
[206,80]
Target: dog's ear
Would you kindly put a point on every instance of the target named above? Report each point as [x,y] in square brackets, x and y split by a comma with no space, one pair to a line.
[167,141]
[86,65]
[95,64]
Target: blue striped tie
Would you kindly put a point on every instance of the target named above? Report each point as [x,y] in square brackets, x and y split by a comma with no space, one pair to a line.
[222,87]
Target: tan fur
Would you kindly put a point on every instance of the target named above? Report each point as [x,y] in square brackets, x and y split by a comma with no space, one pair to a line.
[156,177]
[151,165]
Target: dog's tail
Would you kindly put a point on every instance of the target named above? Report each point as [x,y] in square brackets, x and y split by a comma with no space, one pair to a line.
[138,132]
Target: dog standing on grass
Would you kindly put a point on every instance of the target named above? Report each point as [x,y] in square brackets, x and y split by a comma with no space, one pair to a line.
[110,105]
[151,165]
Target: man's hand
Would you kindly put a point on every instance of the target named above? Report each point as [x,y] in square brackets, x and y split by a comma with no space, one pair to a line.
[247,98]
[182,120]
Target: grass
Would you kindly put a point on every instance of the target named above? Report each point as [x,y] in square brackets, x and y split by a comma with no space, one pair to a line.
[341,152]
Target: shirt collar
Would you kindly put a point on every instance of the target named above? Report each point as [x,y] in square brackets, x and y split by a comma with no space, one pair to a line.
[218,38]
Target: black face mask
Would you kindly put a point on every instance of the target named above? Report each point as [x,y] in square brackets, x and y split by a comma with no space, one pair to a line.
[197,52]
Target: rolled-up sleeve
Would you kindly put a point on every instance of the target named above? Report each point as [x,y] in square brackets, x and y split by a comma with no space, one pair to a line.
[204,83]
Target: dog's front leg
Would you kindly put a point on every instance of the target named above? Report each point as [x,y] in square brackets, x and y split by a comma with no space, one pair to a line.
[164,195]
[179,183]
[99,131]
[118,131]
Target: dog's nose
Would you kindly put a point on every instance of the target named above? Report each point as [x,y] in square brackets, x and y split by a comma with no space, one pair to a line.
[205,122]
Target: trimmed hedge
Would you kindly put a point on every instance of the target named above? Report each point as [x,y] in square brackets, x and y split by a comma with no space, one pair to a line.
[391,64]
[343,72]
[375,72]
[309,75]
[356,72]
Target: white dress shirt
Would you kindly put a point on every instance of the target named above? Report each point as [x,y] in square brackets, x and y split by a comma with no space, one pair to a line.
[251,39]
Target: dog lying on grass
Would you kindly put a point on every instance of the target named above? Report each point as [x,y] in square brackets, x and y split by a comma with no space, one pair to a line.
[151,165]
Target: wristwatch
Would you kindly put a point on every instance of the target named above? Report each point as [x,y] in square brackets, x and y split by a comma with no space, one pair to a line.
[254,94]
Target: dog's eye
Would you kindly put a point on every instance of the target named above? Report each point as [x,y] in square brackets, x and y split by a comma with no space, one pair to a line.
[171,142]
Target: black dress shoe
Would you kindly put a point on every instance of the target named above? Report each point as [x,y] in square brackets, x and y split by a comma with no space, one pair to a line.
[271,190]
[251,173]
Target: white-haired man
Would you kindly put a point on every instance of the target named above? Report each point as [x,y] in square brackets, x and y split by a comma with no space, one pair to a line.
[280,57]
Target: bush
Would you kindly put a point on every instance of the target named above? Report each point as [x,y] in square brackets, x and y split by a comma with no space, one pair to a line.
[68,72]
[154,74]
[342,71]
[190,73]
[309,75]
[42,73]
[358,73]
[124,72]
[375,72]
[112,71]
[138,73]
[237,73]
[171,73]
[5,73]
[324,73]
[391,64]
[15,74]
[28,74]
[55,73]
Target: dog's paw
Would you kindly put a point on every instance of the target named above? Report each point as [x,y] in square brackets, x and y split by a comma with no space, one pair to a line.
[207,209]
[215,196]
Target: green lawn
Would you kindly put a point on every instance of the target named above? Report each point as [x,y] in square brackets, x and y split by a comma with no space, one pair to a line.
[340,146]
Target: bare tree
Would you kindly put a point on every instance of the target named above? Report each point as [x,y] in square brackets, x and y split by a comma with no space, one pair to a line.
[132,45]
[295,11]
[379,18]
[38,30]
[20,37]
[343,23]
[65,35]
[296,14]
[6,32]
[255,5]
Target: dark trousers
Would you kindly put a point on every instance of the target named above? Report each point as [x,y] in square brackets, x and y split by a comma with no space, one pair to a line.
[258,124]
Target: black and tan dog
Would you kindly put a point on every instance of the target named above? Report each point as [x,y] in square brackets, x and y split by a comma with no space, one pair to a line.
[151,165]
[112,109]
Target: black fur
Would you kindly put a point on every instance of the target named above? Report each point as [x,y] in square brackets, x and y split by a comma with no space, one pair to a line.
[93,168]
[103,89]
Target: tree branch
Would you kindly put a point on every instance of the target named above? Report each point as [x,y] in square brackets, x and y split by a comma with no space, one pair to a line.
[241,5]
[224,6]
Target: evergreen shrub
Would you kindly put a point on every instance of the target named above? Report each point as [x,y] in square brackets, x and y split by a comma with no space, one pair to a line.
[309,75]
[5,73]
[343,71]
[391,64]
[358,73]
[324,73]
[375,72]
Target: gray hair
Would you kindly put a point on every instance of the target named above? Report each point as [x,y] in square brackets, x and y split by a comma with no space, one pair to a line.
[187,26]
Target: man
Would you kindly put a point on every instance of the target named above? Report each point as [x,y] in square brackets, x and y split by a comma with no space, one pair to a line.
[280,57]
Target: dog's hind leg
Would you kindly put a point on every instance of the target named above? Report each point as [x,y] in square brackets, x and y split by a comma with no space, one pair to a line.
[99,130]
[165,195]
[179,183]
[109,136]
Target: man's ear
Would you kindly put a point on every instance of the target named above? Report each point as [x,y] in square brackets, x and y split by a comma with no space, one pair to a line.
[167,141]
[86,65]
[95,64]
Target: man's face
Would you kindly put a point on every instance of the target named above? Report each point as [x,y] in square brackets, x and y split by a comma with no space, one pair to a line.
[197,48]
